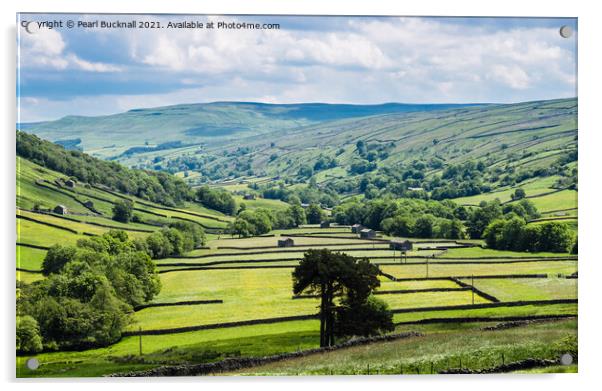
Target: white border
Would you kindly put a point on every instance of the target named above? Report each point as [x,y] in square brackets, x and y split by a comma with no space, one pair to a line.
[589,158]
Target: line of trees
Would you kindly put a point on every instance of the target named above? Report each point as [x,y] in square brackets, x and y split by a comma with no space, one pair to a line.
[516,235]
[159,187]
[406,217]
[217,199]
[487,212]
[91,288]
[261,221]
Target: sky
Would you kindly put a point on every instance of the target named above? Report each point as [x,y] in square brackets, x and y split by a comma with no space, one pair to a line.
[363,60]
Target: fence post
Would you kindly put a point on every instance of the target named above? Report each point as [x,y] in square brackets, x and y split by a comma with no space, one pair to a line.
[140,339]
[368,371]
[460,362]
[472,287]
[431,367]
[503,359]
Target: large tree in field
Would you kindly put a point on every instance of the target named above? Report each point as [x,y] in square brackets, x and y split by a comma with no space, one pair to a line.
[332,275]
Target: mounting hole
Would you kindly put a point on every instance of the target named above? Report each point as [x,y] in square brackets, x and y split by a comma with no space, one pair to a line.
[566,359]
[566,31]
[32,363]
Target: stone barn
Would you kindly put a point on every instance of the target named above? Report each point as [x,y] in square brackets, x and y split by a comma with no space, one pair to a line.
[249,197]
[60,209]
[367,233]
[325,224]
[89,204]
[70,183]
[400,245]
[288,242]
[356,228]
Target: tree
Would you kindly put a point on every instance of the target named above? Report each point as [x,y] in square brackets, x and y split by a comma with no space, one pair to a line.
[555,237]
[123,211]
[364,319]
[518,194]
[158,245]
[398,226]
[297,214]
[57,257]
[28,335]
[314,214]
[480,218]
[259,221]
[240,227]
[330,275]
[217,199]
[423,227]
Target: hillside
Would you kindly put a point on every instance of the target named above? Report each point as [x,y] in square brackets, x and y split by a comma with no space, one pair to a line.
[164,128]
[519,136]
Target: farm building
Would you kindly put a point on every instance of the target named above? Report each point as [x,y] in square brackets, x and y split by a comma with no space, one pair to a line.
[70,183]
[367,233]
[288,242]
[89,204]
[249,197]
[304,206]
[400,245]
[325,224]
[356,228]
[60,209]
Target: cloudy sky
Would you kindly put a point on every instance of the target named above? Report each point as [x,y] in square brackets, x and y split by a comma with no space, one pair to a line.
[76,71]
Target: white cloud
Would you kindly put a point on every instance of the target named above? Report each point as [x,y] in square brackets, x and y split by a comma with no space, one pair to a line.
[45,48]
[513,76]
[450,58]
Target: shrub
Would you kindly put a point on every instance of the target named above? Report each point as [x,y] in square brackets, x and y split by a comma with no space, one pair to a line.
[28,335]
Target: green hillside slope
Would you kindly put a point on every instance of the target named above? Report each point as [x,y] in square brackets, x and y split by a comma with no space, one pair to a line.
[164,128]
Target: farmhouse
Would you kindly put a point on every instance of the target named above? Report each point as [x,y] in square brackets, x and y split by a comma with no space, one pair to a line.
[325,224]
[367,233]
[60,209]
[400,245]
[288,242]
[249,197]
[356,228]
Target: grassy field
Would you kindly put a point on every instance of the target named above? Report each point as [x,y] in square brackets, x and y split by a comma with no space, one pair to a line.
[475,252]
[442,349]
[37,234]
[532,187]
[561,200]
[419,271]
[247,296]
[30,258]
[529,289]
[28,277]
[262,203]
